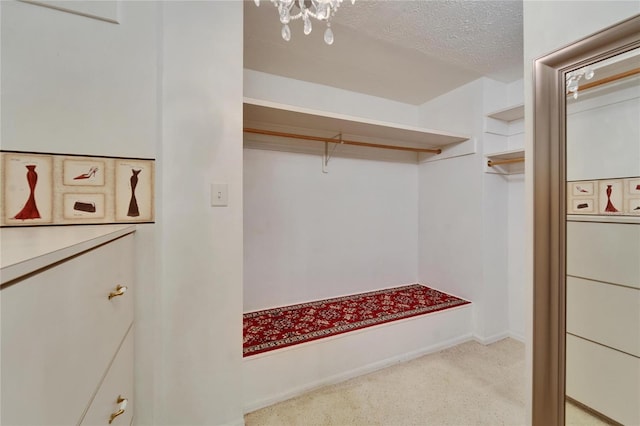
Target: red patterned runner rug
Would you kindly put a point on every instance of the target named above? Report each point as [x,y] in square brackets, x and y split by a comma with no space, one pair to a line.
[290,325]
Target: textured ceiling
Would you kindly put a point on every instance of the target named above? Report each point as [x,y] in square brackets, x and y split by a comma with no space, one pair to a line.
[409,51]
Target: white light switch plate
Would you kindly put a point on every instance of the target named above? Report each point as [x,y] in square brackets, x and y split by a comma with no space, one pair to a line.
[219,194]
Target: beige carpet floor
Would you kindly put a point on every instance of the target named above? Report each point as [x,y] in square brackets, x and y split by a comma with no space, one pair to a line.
[469,384]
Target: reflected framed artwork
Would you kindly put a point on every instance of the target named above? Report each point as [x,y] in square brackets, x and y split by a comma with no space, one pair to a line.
[611,193]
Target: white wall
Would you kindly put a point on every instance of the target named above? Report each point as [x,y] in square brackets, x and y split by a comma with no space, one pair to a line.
[72,84]
[310,235]
[546,28]
[603,133]
[450,254]
[516,222]
[288,91]
[496,215]
[464,245]
[201,246]
[164,83]
[495,286]
[516,256]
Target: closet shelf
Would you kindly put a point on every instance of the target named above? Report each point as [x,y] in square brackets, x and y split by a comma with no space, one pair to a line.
[278,120]
[506,162]
[511,113]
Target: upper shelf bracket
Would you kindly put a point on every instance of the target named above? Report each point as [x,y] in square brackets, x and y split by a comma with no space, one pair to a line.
[327,154]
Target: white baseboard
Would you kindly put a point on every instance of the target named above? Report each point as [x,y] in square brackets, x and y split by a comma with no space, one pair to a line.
[337,378]
[517,336]
[497,337]
[491,339]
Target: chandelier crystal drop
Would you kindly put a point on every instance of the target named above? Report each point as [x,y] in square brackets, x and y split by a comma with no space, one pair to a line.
[573,78]
[290,10]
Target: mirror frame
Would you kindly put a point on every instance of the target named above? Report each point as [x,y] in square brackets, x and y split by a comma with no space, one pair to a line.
[549,219]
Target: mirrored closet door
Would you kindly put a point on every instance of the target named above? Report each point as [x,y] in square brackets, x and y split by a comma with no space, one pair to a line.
[586,173]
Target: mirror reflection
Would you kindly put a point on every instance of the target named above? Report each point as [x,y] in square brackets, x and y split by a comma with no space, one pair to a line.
[603,242]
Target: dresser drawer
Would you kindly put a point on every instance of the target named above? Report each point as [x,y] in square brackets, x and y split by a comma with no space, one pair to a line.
[604,379]
[60,331]
[607,252]
[604,313]
[116,387]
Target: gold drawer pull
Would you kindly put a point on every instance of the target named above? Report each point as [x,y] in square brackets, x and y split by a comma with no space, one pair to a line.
[120,290]
[123,404]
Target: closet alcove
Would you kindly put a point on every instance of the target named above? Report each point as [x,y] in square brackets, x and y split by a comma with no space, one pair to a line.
[324,219]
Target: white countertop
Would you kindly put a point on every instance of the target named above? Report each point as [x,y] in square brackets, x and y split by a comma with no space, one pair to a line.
[27,249]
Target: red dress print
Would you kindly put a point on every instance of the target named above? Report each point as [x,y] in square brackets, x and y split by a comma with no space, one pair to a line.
[30,209]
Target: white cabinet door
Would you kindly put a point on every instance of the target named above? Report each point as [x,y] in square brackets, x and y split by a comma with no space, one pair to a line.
[60,331]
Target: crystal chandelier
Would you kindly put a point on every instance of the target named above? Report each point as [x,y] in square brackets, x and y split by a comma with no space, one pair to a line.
[290,10]
[574,77]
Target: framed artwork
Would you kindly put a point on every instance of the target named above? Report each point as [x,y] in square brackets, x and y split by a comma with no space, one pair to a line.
[134,190]
[611,193]
[83,172]
[83,206]
[57,189]
[27,189]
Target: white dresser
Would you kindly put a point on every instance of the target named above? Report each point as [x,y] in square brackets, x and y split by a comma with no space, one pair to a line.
[603,318]
[67,325]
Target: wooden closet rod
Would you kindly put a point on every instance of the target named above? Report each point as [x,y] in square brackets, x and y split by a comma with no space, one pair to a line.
[492,163]
[609,79]
[344,141]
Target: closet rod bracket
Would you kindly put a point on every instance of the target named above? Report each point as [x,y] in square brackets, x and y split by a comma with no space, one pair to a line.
[327,155]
